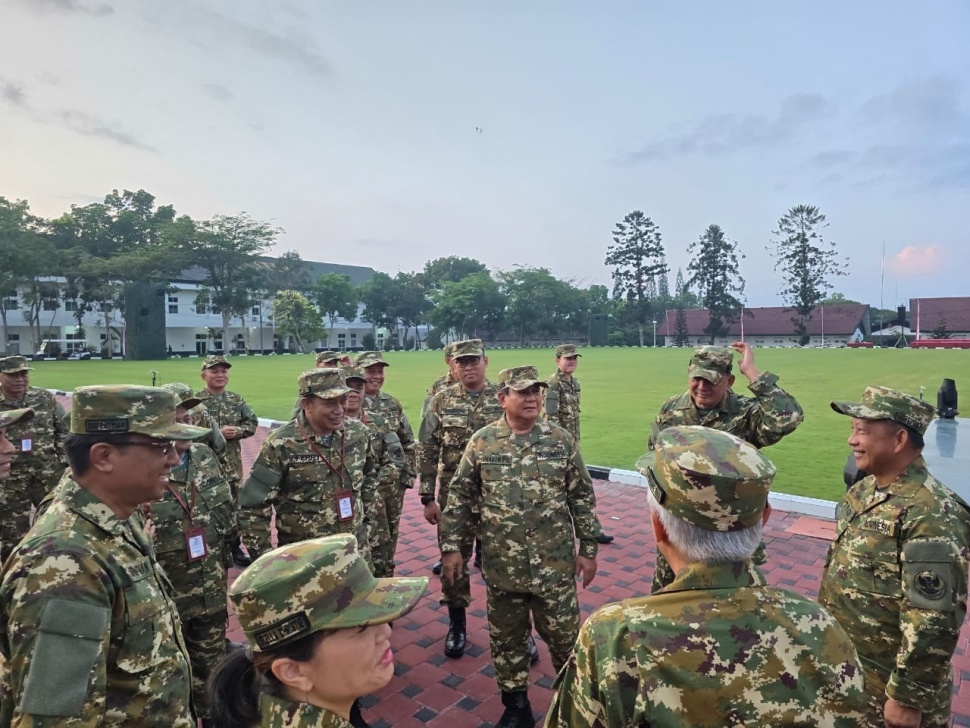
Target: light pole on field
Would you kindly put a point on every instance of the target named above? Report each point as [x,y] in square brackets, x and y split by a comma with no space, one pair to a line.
[655,333]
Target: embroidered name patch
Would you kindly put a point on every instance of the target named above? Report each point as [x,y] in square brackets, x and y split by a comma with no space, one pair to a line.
[118,424]
[283,630]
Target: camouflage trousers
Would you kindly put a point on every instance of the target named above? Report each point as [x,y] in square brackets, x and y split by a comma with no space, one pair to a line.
[510,614]
[381,546]
[392,496]
[663,574]
[459,593]
[205,639]
[17,494]
[935,715]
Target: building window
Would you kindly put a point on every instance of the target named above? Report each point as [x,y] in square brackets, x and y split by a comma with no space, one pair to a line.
[70,305]
[11,304]
[50,304]
[255,310]
[173,304]
[13,337]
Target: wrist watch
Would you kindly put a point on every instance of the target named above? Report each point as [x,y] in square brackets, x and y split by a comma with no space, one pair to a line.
[427,500]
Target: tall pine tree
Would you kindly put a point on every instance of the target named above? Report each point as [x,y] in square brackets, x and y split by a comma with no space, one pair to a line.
[637,255]
[714,270]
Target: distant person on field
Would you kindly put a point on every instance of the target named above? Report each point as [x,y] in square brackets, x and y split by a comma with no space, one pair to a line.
[710,401]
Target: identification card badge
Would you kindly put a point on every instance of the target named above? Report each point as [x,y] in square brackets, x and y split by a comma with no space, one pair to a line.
[27,443]
[195,546]
[345,505]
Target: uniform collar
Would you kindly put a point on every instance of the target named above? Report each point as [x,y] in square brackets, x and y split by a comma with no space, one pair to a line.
[82,502]
[282,713]
[724,575]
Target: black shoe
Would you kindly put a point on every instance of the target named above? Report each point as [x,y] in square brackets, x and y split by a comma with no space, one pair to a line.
[239,557]
[603,538]
[478,553]
[533,650]
[436,569]
[356,718]
[518,711]
[455,640]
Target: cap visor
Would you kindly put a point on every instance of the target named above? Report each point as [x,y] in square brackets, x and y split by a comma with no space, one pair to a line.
[190,403]
[178,432]
[388,600]
[331,393]
[711,375]
[521,384]
[854,409]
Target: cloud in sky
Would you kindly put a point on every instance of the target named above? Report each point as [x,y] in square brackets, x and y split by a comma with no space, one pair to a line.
[97,10]
[13,94]
[918,260]
[218,91]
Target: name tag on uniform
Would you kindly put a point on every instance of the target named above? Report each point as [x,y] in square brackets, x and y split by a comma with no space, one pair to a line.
[195,546]
[345,505]
[26,444]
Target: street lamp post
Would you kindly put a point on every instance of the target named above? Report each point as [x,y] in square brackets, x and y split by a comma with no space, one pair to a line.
[655,333]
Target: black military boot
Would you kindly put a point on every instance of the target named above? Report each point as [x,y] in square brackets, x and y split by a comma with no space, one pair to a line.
[356,718]
[518,710]
[533,650]
[478,553]
[436,569]
[455,641]
[239,557]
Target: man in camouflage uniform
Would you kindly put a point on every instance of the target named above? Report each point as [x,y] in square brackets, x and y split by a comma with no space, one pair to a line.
[236,421]
[195,527]
[324,360]
[718,646]
[561,399]
[317,472]
[40,450]
[896,573]
[389,458]
[445,380]
[89,634]
[761,420]
[453,415]
[523,483]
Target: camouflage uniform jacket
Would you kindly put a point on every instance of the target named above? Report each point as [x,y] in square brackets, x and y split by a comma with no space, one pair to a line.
[281,713]
[761,420]
[230,410]
[44,462]
[390,408]
[561,404]
[914,532]
[200,586]
[532,493]
[442,382]
[717,647]
[453,416]
[389,455]
[90,635]
[290,476]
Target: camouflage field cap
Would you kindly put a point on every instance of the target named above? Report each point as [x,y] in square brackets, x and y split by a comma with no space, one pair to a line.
[327,383]
[711,363]
[353,372]
[468,347]
[12,417]
[883,403]
[113,409]
[449,350]
[321,583]
[708,477]
[370,358]
[519,378]
[566,350]
[214,360]
[185,394]
[325,356]
[13,364]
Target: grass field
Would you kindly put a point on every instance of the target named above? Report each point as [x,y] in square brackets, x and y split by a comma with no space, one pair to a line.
[622,390]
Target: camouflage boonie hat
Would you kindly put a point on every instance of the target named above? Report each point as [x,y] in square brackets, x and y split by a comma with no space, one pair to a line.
[213,361]
[308,586]
[566,350]
[519,378]
[185,394]
[370,358]
[115,409]
[468,347]
[12,417]
[708,477]
[12,364]
[711,363]
[352,372]
[883,403]
[324,356]
[326,383]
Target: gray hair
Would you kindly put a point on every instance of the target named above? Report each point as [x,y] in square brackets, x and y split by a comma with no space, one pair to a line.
[700,545]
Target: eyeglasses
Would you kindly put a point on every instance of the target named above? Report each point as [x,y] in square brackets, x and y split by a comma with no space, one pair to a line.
[468,361]
[163,446]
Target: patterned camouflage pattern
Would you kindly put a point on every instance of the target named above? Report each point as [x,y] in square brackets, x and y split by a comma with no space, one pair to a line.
[12,417]
[290,478]
[561,403]
[116,409]
[709,478]
[390,408]
[718,647]
[710,363]
[369,358]
[468,347]
[453,416]
[199,586]
[82,595]
[214,360]
[326,383]
[519,378]
[896,579]
[883,403]
[37,464]
[230,410]
[321,583]
[214,440]
[283,713]
[442,382]
[567,350]
[14,364]
[325,357]
[531,497]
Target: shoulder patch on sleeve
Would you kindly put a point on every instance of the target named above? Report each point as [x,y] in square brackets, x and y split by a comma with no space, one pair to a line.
[929,575]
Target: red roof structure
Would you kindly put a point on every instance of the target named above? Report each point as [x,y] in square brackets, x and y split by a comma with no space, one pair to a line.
[837,321]
[926,314]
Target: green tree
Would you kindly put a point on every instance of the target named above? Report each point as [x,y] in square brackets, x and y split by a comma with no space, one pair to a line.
[288,272]
[838,299]
[411,303]
[469,308]
[807,262]
[378,297]
[681,332]
[541,305]
[295,315]
[26,255]
[451,269]
[337,298]
[714,270]
[637,256]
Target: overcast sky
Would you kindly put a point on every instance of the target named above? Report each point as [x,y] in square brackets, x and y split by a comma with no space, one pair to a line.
[388,133]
